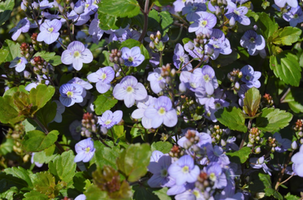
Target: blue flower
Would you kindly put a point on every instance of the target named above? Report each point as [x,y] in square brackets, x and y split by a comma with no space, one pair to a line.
[132,57]
[203,23]
[184,170]
[109,119]
[19,64]
[294,16]
[85,150]
[253,42]
[250,77]
[49,31]
[237,14]
[297,160]
[22,27]
[291,3]
[71,94]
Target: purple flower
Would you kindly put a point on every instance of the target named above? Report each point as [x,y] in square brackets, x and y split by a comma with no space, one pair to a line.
[180,58]
[179,5]
[60,109]
[237,14]
[22,27]
[159,169]
[129,90]
[191,9]
[250,77]
[70,94]
[162,112]
[80,197]
[294,16]
[94,29]
[253,42]
[291,3]
[216,175]
[258,163]
[45,4]
[184,170]
[19,63]
[132,57]
[157,82]
[297,160]
[49,31]
[209,79]
[219,43]
[109,119]
[85,150]
[203,24]
[102,78]
[76,54]
[283,143]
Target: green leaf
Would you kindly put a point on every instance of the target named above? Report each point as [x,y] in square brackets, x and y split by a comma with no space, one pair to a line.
[286,67]
[45,183]
[37,141]
[153,20]
[272,119]
[34,195]
[241,155]
[118,131]
[9,112]
[287,36]
[63,166]
[269,191]
[130,43]
[137,130]
[28,126]
[7,181]
[3,55]
[6,146]
[94,193]
[294,100]
[133,161]
[13,48]
[166,21]
[120,8]
[251,101]
[46,155]
[40,95]
[164,147]
[107,21]
[46,114]
[20,173]
[104,103]
[267,25]
[10,193]
[291,197]
[50,57]
[232,117]
[6,8]
[105,155]
[145,193]
[164,2]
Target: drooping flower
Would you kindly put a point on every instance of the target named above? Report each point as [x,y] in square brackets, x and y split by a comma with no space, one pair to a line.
[85,150]
[157,82]
[132,57]
[76,54]
[258,163]
[283,143]
[70,94]
[102,77]
[253,42]
[291,3]
[19,63]
[203,24]
[184,170]
[129,90]
[181,59]
[109,119]
[294,16]
[162,112]
[250,77]
[22,27]
[49,31]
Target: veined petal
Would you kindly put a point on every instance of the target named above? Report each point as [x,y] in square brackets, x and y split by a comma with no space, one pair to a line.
[102,87]
[77,64]
[86,56]
[140,92]
[67,57]
[118,92]
[171,118]
[129,100]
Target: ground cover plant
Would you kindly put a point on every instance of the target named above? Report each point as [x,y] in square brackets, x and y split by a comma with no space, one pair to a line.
[154,99]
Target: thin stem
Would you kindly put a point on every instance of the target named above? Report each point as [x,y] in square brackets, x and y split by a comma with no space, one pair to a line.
[246,134]
[283,171]
[180,32]
[62,45]
[284,95]
[145,13]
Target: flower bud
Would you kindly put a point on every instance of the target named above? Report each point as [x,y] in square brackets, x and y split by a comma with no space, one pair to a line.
[27,74]
[72,5]
[79,10]
[151,45]
[158,35]
[294,145]
[152,37]
[258,150]
[61,9]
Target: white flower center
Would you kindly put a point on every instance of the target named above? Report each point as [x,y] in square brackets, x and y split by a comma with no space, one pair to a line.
[77,54]
[103,76]
[129,89]
[206,78]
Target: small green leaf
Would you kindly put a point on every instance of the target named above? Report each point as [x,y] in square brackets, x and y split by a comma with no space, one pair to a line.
[272,119]
[20,173]
[9,112]
[286,67]
[3,54]
[50,57]
[13,48]
[40,95]
[63,166]
[8,181]
[107,21]
[251,101]
[164,147]
[294,100]
[94,193]
[287,36]
[232,117]
[34,195]
[6,146]
[6,8]
[118,131]
[45,183]
[137,130]
[130,43]
[37,141]
[120,8]
[166,21]
[105,155]
[269,191]
[46,155]
[133,161]
[46,114]
[164,2]
[242,154]
[104,103]
[291,197]
[267,25]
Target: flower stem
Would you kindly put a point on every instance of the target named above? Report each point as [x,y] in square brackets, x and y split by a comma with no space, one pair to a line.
[145,13]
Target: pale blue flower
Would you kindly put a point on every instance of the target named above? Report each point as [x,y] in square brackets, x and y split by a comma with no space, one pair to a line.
[109,118]
[132,57]
[85,150]
[181,59]
[250,77]
[81,197]
[49,31]
[70,94]
[203,24]
[253,42]
[294,16]
[19,63]
[157,82]
[102,77]
[22,27]
[297,160]
[235,13]
[291,3]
